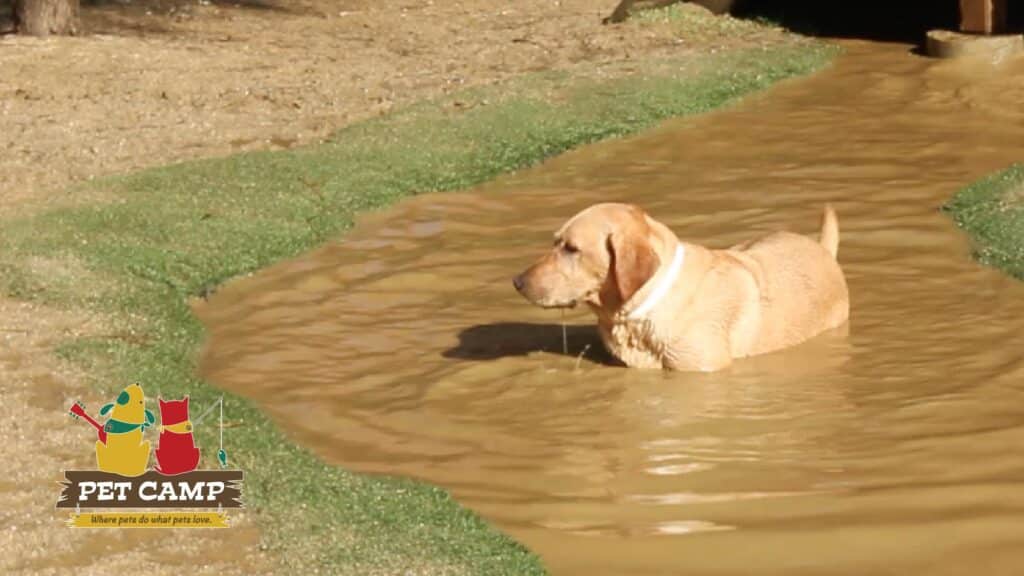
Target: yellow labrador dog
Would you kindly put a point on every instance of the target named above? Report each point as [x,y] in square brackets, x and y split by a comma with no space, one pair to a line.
[664,303]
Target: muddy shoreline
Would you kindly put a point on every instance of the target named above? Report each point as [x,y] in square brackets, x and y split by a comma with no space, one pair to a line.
[853,453]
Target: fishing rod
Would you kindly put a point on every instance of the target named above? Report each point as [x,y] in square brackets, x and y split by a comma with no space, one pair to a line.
[222,456]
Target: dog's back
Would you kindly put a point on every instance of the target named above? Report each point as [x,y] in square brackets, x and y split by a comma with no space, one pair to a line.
[802,288]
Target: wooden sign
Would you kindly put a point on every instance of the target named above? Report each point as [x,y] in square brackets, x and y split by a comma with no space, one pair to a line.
[198,489]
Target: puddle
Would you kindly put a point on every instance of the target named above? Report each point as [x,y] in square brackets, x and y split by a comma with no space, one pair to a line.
[895,447]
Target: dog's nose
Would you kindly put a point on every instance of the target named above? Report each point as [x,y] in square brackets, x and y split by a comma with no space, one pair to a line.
[518,283]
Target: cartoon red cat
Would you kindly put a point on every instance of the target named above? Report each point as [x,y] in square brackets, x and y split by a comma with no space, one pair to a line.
[176,452]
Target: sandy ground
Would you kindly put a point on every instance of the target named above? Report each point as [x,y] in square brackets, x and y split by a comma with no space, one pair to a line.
[163,81]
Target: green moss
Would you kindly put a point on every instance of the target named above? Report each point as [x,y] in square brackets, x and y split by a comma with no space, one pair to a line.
[991,210]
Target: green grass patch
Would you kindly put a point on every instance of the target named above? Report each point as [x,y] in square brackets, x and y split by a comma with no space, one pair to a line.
[991,210]
[695,23]
[178,231]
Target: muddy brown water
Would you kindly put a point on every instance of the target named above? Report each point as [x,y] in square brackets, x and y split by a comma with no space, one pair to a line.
[895,446]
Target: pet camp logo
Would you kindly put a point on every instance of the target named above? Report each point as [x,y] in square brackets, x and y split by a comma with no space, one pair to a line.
[166,496]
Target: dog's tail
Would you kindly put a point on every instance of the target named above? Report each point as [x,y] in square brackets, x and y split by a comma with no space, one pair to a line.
[829,238]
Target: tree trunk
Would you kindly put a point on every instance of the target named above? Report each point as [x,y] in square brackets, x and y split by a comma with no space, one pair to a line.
[45,17]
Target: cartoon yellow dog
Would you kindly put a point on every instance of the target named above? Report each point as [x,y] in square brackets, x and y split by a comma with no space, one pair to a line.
[125,452]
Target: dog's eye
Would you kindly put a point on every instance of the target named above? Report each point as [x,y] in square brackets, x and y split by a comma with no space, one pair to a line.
[570,248]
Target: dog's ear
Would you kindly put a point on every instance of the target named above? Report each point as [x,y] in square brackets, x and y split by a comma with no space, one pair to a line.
[633,259]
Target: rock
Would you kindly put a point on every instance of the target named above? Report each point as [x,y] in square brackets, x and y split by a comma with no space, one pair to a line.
[949,44]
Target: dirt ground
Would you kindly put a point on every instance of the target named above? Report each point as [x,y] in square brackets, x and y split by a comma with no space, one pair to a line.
[166,80]
[154,82]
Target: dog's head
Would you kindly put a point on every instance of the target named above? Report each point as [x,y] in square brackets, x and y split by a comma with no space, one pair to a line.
[130,407]
[601,256]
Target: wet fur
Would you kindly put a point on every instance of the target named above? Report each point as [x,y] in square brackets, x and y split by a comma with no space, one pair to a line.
[756,297]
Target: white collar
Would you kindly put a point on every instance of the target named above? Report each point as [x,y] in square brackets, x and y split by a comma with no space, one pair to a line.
[662,287]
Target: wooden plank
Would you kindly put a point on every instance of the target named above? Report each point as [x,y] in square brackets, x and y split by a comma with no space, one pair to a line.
[983,16]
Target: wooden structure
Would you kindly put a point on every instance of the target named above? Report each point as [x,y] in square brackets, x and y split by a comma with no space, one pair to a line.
[976,16]
[983,32]
[983,16]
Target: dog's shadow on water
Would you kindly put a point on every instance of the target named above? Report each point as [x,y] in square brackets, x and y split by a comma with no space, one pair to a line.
[824,353]
[504,339]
